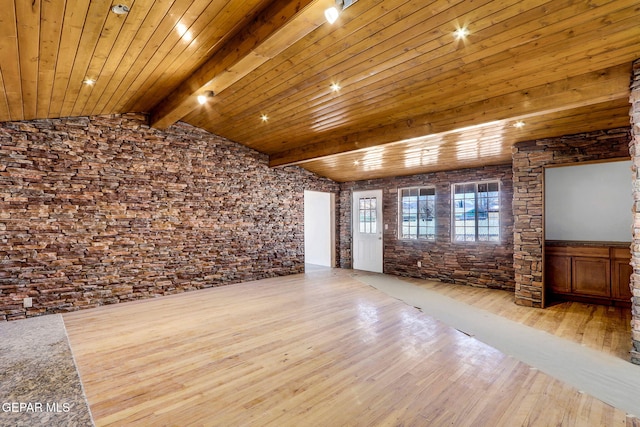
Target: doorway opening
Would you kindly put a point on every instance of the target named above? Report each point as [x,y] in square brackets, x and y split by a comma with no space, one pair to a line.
[319,229]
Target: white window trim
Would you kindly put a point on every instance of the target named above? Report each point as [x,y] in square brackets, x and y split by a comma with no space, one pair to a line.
[399,215]
[453,215]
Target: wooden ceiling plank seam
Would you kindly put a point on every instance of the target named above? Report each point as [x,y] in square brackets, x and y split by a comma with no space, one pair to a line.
[133,65]
[4,102]
[28,19]
[366,107]
[351,107]
[423,125]
[274,19]
[52,16]
[198,24]
[197,53]
[10,59]
[72,28]
[109,35]
[618,106]
[140,23]
[95,26]
[342,95]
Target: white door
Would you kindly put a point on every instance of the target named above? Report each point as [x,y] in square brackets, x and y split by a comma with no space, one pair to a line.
[367,230]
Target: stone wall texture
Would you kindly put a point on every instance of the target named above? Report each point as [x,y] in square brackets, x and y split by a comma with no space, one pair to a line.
[475,264]
[105,209]
[529,160]
[634,149]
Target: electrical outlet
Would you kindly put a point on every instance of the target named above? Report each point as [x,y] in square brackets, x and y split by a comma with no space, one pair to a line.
[419,263]
[27,302]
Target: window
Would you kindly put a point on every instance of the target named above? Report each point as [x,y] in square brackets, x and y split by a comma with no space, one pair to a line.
[476,212]
[367,210]
[417,213]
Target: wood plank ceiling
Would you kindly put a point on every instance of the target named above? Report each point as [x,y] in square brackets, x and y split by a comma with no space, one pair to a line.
[413,98]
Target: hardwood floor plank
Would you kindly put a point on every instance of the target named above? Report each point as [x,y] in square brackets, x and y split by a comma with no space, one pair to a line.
[317,349]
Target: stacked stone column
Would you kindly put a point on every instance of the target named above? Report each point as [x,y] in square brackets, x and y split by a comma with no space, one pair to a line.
[530,158]
[634,150]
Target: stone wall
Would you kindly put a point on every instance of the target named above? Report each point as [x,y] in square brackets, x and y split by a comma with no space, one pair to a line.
[476,264]
[634,149]
[529,160]
[105,209]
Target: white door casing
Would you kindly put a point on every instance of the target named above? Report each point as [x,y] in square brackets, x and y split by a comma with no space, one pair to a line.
[367,230]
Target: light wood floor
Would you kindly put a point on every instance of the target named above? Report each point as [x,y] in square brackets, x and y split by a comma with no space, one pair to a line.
[604,328]
[316,349]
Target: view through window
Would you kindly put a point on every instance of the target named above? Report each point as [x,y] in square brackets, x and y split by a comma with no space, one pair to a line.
[417,213]
[476,212]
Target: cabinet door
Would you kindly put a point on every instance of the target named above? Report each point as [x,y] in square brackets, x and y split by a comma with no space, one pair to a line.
[591,276]
[620,278]
[557,273]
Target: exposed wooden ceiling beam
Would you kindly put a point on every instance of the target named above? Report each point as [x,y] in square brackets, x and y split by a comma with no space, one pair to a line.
[279,26]
[587,89]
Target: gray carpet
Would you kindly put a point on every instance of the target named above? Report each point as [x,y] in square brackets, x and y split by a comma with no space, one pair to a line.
[39,382]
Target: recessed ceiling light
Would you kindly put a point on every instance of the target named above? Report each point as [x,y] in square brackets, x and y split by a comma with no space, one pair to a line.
[335,87]
[89,82]
[519,124]
[356,162]
[184,32]
[120,9]
[264,117]
[461,33]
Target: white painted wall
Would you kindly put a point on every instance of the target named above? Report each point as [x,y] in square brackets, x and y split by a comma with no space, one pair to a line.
[319,228]
[589,202]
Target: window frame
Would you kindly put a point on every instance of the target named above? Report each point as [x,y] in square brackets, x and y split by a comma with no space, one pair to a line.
[476,219]
[401,215]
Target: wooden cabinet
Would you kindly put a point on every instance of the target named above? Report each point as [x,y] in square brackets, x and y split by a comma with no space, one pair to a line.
[588,272]
[591,276]
[621,274]
[558,273]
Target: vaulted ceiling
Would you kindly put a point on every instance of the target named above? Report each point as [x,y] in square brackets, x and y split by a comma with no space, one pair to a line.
[412,96]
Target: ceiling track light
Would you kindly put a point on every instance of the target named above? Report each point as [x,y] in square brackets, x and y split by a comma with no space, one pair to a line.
[120,9]
[332,13]
[204,97]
